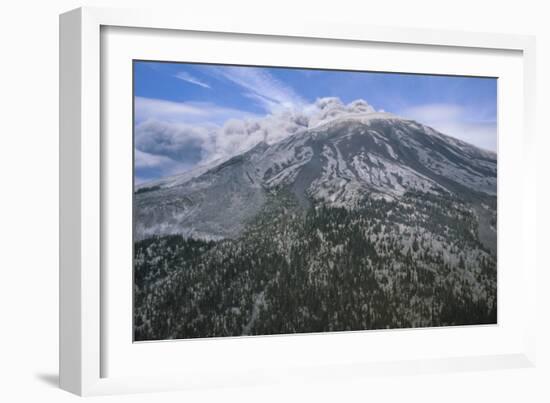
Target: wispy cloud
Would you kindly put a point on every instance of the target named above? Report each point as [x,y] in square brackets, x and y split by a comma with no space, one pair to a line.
[457,121]
[185,76]
[185,112]
[146,108]
[261,86]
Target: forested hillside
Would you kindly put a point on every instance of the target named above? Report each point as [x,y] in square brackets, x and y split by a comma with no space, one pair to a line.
[413,262]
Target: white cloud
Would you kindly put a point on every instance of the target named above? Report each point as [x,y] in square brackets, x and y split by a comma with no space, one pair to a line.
[434,112]
[172,137]
[480,134]
[179,136]
[160,164]
[258,84]
[456,121]
[148,108]
[177,141]
[183,75]
[170,144]
[184,112]
[146,160]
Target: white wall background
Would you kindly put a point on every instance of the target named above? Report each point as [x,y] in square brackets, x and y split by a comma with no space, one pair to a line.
[29,201]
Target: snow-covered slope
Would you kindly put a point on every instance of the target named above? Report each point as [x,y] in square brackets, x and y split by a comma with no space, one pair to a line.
[339,158]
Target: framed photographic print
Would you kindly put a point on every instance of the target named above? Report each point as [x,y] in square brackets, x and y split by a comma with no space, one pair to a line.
[237,198]
[275,200]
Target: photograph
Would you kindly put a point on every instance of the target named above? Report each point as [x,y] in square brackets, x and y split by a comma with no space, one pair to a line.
[275,200]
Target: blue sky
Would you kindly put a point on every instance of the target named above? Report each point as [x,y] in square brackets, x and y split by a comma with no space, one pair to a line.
[190,114]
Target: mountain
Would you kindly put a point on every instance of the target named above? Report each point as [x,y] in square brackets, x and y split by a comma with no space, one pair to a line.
[364,220]
[338,163]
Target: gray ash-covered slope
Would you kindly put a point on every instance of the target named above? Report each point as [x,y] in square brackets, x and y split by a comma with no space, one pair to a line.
[339,164]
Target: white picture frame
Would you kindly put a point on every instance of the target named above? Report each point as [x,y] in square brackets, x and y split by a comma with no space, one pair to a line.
[85,343]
